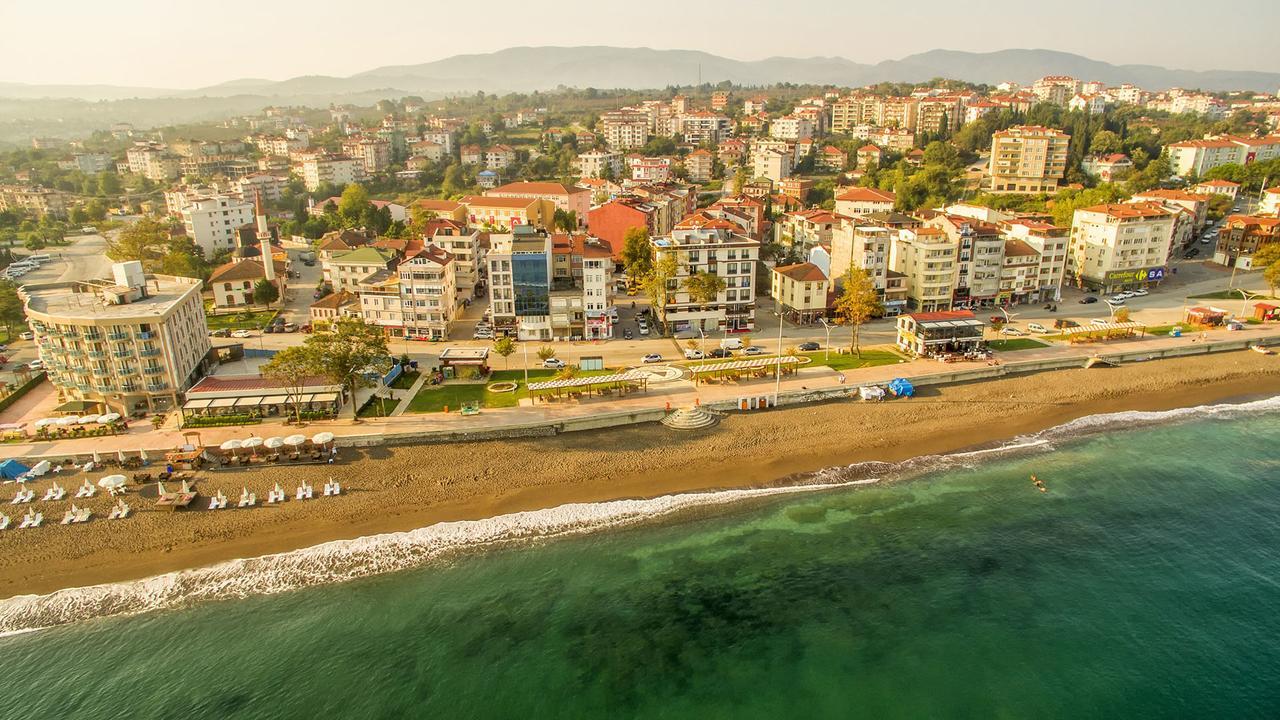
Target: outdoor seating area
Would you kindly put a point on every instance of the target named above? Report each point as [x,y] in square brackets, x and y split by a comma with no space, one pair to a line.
[256,451]
[229,400]
[74,426]
[1095,332]
[735,370]
[604,385]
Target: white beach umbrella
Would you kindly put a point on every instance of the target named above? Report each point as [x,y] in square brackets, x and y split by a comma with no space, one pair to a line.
[46,422]
[273,442]
[253,443]
[112,481]
[322,438]
[232,444]
[88,419]
[68,420]
[142,454]
[108,418]
[120,455]
[295,440]
[96,460]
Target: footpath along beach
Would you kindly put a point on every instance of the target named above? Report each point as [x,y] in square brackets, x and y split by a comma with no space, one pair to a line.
[388,489]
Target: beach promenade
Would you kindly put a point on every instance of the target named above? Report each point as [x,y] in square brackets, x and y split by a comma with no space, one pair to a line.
[813,382]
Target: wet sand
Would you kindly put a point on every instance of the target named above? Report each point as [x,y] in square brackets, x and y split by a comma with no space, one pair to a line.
[401,488]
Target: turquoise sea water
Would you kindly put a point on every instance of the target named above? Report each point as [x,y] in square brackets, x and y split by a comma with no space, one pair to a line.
[1145,583]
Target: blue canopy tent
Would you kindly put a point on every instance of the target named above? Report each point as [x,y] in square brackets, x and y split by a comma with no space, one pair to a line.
[901,387]
[10,469]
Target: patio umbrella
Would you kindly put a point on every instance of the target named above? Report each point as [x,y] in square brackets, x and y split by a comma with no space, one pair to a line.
[46,422]
[295,440]
[252,442]
[108,418]
[142,454]
[273,442]
[68,420]
[233,444]
[96,460]
[112,481]
[120,455]
[88,419]
[322,438]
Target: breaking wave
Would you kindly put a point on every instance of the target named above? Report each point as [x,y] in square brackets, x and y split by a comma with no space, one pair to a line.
[344,560]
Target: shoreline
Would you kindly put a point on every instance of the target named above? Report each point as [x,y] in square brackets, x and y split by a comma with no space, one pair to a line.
[405,487]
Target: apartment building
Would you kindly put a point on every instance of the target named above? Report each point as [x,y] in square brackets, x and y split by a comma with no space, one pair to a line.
[803,229]
[581,287]
[319,169]
[927,260]
[428,292]
[771,163]
[940,115]
[700,165]
[703,128]
[869,247]
[509,212]
[463,245]
[38,200]
[1192,158]
[374,155]
[153,161]
[791,127]
[1107,167]
[858,201]
[1056,89]
[1050,243]
[646,169]
[1119,246]
[980,254]
[800,291]
[1028,159]
[568,198]
[1242,236]
[345,270]
[625,130]
[127,343]
[1196,204]
[213,221]
[600,163]
[732,257]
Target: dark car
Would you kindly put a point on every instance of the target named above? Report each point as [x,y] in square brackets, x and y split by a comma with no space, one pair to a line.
[626,334]
[220,333]
[1062,323]
[809,346]
[720,353]
[1088,300]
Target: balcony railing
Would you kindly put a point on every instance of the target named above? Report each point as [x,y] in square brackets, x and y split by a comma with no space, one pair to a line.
[156,387]
[153,369]
[122,353]
[150,352]
[118,336]
[97,354]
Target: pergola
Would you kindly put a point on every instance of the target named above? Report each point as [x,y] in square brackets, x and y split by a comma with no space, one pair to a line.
[1104,330]
[625,381]
[738,368]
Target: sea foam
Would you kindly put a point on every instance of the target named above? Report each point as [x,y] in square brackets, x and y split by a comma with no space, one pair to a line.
[344,560]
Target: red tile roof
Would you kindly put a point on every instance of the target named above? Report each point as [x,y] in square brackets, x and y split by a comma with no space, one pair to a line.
[802,272]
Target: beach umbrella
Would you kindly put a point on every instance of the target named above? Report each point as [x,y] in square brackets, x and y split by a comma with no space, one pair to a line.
[112,481]
[142,454]
[295,440]
[252,442]
[120,455]
[322,438]
[88,419]
[273,442]
[232,445]
[108,418]
[96,460]
[46,422]
[68,420]
[160,488]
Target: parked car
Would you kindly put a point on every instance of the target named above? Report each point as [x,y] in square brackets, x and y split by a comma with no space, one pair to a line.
[290,327]
[753,350]
[1117,299]
[1140,292]
[1088,300]
[732,343]
[720,353]
[241,334]
[1063,323]
[1015,332]
[809,346]
[1206,240]
[36,364]
[626,334]
[270,329]
[309,263]
[692,354]
[553,364]
[1099,321]
[1037,327]
[220,332]
[28,335]
[651,358]
[644,329]
[998,320]
[482,334]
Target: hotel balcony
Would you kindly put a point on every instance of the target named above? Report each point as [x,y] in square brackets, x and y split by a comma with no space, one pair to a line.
[153,369]
[118,336]
[150,352]
[156,387]
[122,354]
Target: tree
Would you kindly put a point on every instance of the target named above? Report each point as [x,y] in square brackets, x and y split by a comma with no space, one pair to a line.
[505,346]
[857,304]
[546,352]
[637,253]
[1121,314]
[292,367]
[1268,258]
[1105,142]
[146,240]
[353,206]
[265,292]
[566,220]
[348,351]
[704,287]
[657,284]
[568,372]
[11,311]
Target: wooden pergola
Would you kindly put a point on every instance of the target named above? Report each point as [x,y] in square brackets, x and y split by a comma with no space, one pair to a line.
[760,367]
[624,382]
[1104,331]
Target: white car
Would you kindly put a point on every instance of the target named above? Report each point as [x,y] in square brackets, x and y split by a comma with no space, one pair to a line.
[1206,240]
[1117,299]
[1140,292]
[36,364]
[553,364]
[731,343]
[644,329]
[241,334]
[1037,327]
[691,354]
[1011,331]
[753,350]
[482,333]
[28,335]
[1100,321]
[651,358]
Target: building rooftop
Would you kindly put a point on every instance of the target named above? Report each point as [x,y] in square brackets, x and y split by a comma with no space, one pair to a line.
[802,272]
[91,300]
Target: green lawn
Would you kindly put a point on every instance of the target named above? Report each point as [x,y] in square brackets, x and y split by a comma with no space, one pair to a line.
[378,407]
[846,361]
[1015,344]
[434,398]
[1228,295]
[406,380]
[240,321]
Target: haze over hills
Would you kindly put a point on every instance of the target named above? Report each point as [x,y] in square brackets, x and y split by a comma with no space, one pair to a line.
[545,68]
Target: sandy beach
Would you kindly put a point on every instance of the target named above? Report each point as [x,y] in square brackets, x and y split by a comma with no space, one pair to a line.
[400,488]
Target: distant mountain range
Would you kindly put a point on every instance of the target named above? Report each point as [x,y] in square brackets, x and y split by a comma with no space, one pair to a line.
[545,68]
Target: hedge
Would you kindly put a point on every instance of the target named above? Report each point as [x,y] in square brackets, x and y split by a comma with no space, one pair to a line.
[21,390]
[221,421]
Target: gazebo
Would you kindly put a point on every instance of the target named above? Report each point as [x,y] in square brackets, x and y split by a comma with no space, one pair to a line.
[1206,315]
[624,382]
[734,369]
[1103,331]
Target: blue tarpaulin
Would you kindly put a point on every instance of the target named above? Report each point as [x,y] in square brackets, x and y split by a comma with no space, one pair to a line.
[901,387]
[11,469]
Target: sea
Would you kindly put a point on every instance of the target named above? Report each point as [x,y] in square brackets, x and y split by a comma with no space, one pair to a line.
[1144,582]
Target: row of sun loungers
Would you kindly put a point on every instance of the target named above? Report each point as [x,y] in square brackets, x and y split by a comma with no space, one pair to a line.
[55,493]
[87,490]
[76,515]
[31,519]
[119,511]
[24,496]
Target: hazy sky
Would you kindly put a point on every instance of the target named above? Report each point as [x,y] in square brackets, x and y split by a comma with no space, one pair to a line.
[185,44]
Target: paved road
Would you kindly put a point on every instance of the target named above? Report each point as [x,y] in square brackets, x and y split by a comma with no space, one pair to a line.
[84,259]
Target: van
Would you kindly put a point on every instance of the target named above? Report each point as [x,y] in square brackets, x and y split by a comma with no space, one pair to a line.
[732,343]
[41,258]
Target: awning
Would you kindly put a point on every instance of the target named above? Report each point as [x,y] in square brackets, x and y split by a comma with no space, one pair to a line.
[245,402]
[326,397]
[275,400]
[78,407]
[196,404]
[222,402]
[307,398]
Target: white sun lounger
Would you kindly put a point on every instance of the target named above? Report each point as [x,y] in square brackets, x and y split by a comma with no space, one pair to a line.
[276,495]
[87,490]
[83,515]
[70,516]
[332,488]
[247,499]
[217,502]
[4,521]
[23,496]
[304,492]
[119,511]
[55,493]
[31,519]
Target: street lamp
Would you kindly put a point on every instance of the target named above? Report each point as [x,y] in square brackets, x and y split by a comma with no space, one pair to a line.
[525,347]
[777,369]
[826,355]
